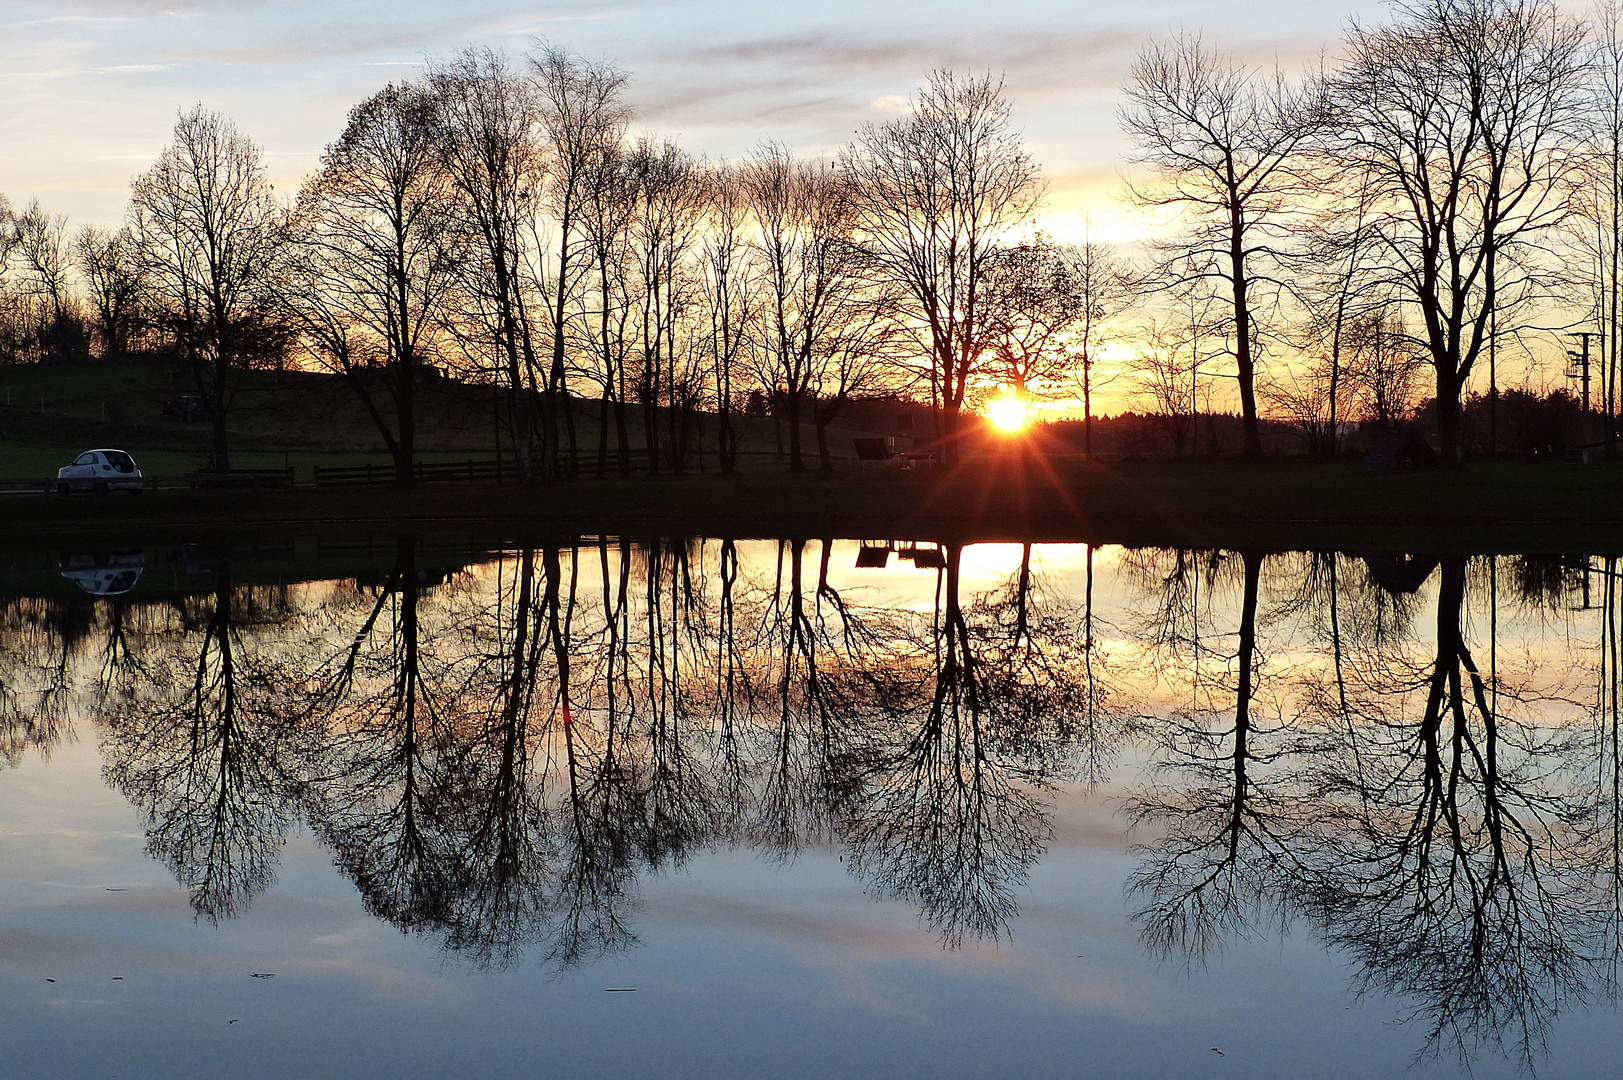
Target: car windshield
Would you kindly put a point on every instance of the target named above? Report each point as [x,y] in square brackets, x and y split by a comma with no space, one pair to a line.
[120,461]
[85,458]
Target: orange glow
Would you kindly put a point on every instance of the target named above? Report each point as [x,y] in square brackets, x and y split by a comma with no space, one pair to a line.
[1008,413]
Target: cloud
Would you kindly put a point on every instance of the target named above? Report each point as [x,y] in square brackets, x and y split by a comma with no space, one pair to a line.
[119,8]
[326,42]
[890,103]
[1037,56]
[816,934]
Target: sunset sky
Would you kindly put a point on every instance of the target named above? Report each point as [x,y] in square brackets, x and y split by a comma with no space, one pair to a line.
[91,87]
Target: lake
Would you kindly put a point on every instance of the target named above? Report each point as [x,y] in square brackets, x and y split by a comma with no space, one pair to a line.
[700,808]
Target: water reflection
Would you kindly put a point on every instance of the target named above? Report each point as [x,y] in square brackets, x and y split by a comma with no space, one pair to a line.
[1378,747]
[1430,819]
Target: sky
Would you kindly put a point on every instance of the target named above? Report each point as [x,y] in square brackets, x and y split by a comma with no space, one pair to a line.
[89,89]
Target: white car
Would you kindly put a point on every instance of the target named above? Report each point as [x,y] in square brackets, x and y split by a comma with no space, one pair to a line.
[100,471]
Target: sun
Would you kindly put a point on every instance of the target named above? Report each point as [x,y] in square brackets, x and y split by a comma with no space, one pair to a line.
[1008,413]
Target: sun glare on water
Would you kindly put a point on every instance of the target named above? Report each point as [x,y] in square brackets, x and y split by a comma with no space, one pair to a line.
[1008,413]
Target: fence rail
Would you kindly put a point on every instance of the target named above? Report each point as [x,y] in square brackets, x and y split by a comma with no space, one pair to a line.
[422,472]
[501,471]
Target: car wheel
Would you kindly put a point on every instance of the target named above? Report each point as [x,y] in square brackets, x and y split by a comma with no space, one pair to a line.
[62,488]
[100,487]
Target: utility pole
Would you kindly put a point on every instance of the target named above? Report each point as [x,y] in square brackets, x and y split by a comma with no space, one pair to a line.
[1493,381]
[1582,360]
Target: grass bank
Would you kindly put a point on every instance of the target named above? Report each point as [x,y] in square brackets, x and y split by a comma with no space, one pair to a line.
[1507,507]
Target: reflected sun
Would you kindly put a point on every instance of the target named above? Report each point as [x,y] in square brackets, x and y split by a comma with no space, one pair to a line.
[1008,413]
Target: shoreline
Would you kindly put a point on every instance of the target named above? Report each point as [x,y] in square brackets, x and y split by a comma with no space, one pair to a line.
[1506,507]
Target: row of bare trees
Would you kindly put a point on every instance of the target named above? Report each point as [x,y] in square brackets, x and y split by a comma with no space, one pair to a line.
[1448,186]
[501,221]
[63,294]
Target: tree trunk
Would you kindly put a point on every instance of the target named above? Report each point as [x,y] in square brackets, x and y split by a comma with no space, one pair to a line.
[405,424]
[791,406]
[215,395]
[222,450]
[1244,362]
[726,441]
[1087,408]
[622,436]
[650,435]
[1450,422]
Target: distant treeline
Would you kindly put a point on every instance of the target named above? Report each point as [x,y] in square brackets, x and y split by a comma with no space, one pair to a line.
[1520,424]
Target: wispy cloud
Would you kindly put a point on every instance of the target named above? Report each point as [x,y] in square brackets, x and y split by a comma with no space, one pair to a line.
[1031,55]
[333,41]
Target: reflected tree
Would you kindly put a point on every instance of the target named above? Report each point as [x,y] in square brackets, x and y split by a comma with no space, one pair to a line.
[202,738]
[1227,814]
[1463,876]
[379,793]
[941,795]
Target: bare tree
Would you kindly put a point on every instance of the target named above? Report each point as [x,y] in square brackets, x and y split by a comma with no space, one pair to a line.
[1105,285]
[1462,118]
[1044,308]
[493,157]
[109,263]
[209,230]
[1032,307]
[1221,144]
[607,213]
[1600,226]
[42,244]
[376,261]
[664,230]
[1383,368]
[934,193]
[730,298]
[584,121]
[808,274]
[858,356]
[1168,377]
[1313,396]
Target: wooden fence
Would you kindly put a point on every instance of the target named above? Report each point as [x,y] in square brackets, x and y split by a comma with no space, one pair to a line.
[422,472]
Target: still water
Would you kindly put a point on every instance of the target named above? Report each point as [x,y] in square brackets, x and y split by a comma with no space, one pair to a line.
[641,808]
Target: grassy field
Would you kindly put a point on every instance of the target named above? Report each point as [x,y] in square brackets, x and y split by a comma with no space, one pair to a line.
[50,413]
